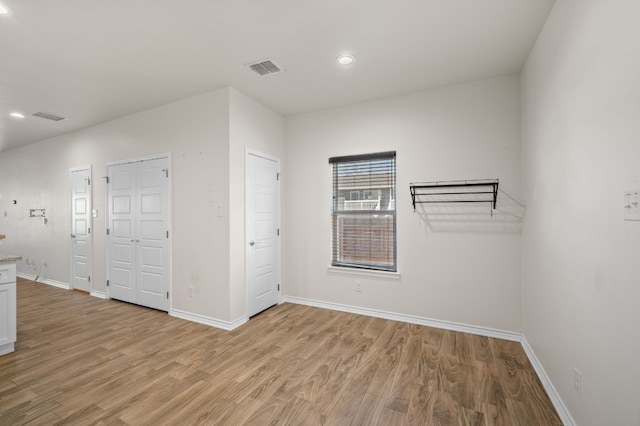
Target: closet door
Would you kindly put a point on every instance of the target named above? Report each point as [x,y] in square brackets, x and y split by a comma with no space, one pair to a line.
[121,229]
[139,233]
[152,234]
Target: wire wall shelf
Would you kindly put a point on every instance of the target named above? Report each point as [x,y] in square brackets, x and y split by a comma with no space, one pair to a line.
[457,191]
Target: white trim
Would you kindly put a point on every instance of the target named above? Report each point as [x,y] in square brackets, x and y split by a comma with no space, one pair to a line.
[79,169]
[105,241]
[98,294]
[411,319]
[249,151]
[47,281]
[371,273]
[562,409]
[140,159]
[7,348]
[170,227]
[201,319]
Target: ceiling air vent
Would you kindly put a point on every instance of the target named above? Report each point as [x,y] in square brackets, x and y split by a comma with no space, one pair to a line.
[265,67]
[48,116]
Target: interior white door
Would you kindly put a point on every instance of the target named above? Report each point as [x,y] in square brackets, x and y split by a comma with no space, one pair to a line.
[152,234]
[262,196]
[139,233]
[81,215]
[121,228]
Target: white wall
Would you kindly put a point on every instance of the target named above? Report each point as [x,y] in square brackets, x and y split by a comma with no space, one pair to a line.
[195,131]
[207,137]
[466,131]
[581,151]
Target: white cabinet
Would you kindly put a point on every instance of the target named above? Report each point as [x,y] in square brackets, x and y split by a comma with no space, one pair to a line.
[7,307]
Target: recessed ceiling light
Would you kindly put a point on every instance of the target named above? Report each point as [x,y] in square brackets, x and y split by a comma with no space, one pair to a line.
[3,10]
[16,115]
[345,59]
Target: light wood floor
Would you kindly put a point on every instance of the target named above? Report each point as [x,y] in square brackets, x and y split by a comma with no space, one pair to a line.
[82,360]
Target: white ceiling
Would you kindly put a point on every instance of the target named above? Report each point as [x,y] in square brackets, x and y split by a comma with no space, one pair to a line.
[93,61]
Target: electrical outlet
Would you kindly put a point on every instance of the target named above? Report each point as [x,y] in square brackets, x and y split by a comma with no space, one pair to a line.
[192,291]
[577,382]
[358,286]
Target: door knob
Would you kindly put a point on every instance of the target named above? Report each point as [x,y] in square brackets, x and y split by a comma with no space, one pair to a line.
[253,243]
[73,236]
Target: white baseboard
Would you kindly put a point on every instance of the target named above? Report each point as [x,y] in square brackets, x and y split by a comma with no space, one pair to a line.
[562,410]
[58,284]
[201,319]
[411,319]
[7,348]
[98,294]
[44,280]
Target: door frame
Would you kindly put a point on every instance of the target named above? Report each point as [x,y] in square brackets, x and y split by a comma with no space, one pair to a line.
[166,155]
[90,252]
[278,244]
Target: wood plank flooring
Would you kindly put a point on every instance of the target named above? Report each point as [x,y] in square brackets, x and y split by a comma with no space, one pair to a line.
[80,360]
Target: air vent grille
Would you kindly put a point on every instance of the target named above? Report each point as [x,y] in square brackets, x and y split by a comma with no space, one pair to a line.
[48,116]
[265,67]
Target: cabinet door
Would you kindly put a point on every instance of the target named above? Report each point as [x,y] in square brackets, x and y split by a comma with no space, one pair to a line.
[7,308]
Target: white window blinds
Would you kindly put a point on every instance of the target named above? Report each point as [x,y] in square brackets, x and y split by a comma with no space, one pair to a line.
[364,211]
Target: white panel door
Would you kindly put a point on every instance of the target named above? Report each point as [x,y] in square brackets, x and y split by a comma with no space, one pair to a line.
[262,221]
[152,239]
[81,228]
[121,228]
[138,227]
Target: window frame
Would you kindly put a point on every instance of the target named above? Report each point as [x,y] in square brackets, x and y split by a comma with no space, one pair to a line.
[366,262]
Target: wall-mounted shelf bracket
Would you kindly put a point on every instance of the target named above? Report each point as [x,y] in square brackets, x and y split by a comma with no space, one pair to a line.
[458,191]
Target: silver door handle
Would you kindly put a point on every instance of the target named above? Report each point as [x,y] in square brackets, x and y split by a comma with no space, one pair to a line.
[73,236]
[253,243]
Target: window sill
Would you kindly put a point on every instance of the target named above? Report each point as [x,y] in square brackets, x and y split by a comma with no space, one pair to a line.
[343,270]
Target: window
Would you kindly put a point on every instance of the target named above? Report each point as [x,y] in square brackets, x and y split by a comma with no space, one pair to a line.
[364,228]
[371,194]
